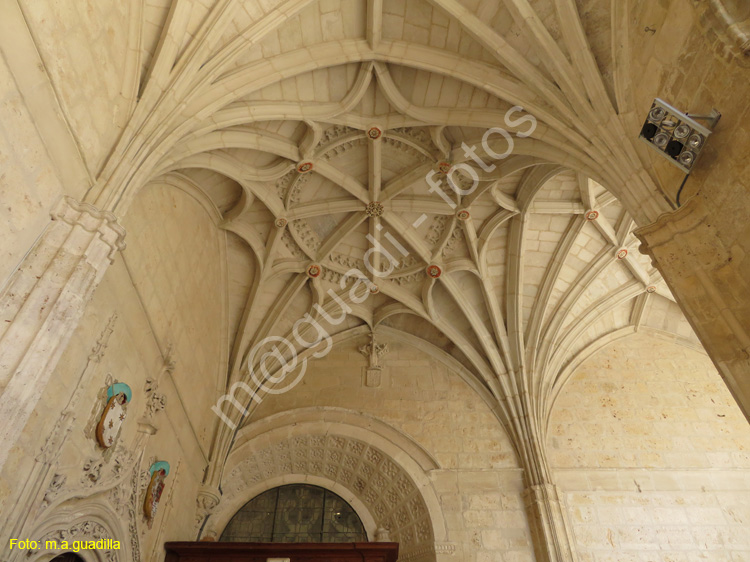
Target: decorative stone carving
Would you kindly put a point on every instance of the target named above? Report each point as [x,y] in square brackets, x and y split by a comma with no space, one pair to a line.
[314,270]
[443,167]
[304,167]
[384,487]
[206,502]
[92,472]
[434,271]
[125,498]
[53,489]
[306,235]
[437,228]
[374,209]
[334,133]
[727,24]
[85,530]
[373,351]
[155,402]
[382,535]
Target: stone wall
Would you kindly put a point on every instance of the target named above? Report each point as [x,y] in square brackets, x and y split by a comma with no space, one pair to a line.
[29,185]
[478,482]
[701,249]
[141,328]
[654,457]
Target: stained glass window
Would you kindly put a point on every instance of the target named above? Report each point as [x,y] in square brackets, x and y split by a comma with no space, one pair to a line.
[296,513]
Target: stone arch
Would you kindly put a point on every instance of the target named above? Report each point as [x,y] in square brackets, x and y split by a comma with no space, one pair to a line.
[378,470]
[73,521]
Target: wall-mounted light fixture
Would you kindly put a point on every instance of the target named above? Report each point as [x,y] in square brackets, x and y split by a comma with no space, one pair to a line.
[677,136]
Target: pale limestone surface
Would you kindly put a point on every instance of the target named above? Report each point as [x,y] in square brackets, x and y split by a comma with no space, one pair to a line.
[185,123]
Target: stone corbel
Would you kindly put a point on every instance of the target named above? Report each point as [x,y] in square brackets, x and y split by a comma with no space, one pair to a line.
[374,352]
[206,502]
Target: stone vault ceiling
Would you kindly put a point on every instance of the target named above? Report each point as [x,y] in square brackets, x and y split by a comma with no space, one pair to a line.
[311,125]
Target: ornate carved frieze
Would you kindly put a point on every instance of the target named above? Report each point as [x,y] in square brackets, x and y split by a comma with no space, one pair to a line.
[84,531]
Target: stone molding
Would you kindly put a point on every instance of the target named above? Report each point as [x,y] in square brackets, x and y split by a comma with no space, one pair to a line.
[43,303]
[428,551]
[548,521]
[92,220]
[668,225]
[722,25]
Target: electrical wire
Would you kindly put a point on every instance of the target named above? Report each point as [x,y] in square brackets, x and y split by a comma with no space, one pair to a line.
[679,191]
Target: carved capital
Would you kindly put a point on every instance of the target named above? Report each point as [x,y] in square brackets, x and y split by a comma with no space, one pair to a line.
[207,500]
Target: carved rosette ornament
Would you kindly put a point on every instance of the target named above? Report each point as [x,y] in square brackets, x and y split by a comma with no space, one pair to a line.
[374,209]
[280,222]
[314,270]
[444,167]
[434,271]
[374,133]
[651,289]
[592,215]
[622,254]
[304,167]
[463,215]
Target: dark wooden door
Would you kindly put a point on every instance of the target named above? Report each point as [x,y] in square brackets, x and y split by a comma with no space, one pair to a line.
[262,552]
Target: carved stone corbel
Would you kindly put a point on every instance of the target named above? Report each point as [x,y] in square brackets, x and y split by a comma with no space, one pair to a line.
[206,502]
[374,352]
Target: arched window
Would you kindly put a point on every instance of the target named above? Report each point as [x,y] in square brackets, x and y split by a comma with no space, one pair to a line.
[296,513]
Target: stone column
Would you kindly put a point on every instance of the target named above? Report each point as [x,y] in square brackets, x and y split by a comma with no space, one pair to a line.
[43,303]
[549,523]
[703,254]
[551,532]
